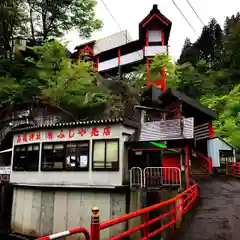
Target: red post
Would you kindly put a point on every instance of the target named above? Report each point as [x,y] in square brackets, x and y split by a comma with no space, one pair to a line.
[211,130]
[187,167]
[174,216]
[146,226]
[210,165]
[95,224]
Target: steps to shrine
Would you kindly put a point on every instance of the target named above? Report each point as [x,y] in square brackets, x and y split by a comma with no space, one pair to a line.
[197,170]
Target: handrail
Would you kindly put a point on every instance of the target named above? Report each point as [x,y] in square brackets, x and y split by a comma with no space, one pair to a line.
[67,233]
[233,169]
[179,206]
[208,167]
[177,211]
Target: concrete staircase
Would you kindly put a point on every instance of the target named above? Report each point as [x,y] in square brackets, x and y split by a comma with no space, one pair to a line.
[197,170]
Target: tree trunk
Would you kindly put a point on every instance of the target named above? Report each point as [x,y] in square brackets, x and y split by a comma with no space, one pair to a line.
[31,23]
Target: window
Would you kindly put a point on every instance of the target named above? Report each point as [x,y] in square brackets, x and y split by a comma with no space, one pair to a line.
[53,156]
[106,155]
[77,155]
[26,157]
[65,156]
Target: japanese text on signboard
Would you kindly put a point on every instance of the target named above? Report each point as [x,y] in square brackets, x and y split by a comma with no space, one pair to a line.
[63,134]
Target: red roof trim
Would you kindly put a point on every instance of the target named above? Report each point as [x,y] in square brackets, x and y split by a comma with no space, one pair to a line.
[153,16]
[87,48]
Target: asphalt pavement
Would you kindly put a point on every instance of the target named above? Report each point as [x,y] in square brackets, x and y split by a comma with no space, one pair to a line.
[218,215]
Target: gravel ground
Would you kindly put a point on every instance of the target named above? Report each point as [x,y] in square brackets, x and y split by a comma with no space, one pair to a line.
[218,215]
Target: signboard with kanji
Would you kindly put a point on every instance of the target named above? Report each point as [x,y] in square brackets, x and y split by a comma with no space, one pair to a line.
[66,134]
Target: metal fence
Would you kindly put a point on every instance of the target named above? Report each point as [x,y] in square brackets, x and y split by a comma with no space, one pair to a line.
[155,177]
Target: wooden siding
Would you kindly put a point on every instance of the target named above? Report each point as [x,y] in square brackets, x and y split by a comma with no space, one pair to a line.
[201,132]
[165,130]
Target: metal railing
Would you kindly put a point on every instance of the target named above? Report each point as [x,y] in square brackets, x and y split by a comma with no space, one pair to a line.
[161,176]
[136,177]
[177,207]
[172,211]
[233,169]
[67,233]
[206,162]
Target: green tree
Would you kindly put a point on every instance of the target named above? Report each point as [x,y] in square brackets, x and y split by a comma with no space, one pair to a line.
[209,43]
[53,18]
[12,23]
[52,78]
[190,53]
[228,109]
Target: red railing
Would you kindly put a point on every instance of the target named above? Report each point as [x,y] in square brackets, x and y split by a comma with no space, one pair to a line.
[178,206]
[206,162]
[67,233]
[233,169]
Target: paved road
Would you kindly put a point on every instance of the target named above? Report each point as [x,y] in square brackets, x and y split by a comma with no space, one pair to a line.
[218,215]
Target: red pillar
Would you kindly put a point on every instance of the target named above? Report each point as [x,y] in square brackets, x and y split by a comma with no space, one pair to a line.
[211,130]
[187,167]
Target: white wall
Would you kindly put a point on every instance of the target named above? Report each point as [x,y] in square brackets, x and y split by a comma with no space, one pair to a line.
[213,147]
[124,59]
[112,41]
[154,50]
[37,212]
[154,36]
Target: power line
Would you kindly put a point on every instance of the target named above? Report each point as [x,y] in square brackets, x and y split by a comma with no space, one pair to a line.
[105,5]
[195,12]
[184,17]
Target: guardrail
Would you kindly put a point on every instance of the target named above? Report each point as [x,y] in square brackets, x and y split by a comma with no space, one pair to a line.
[206,162]
[67,233]
[136,176]
[233,169]
[161,176]
[178,206]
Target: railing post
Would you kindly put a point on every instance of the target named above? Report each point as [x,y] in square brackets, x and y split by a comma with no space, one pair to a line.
[210,165]
[146,226]
[174,216]
[95,224]
[187,172]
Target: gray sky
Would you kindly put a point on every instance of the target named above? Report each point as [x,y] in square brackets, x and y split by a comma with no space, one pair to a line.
[129,13]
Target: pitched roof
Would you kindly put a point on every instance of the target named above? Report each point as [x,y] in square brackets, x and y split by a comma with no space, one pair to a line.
[119,120]
[153,15]
[227,143]
[190,101]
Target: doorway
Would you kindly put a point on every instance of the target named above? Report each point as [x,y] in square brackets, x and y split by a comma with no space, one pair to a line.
[143,159]
[226,157]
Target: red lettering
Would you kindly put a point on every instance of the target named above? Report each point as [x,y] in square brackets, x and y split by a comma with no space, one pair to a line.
[94,132]
[61,134]
[31,137]
[70,133]
[82,131]
[49,135]
[106,131]
[19,139]
[24,138]
[38,136]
